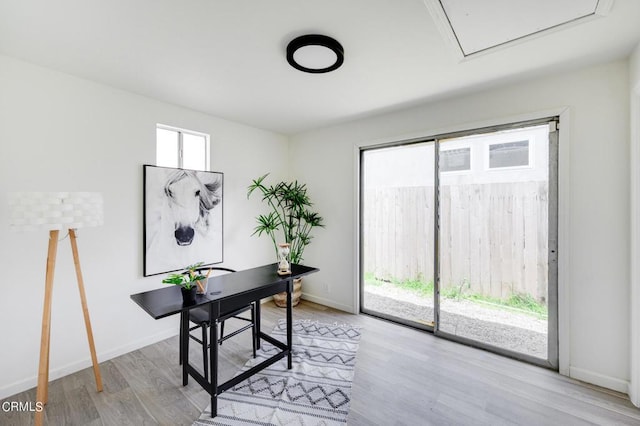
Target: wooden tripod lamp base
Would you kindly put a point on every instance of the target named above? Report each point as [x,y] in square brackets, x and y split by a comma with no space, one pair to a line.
[54,211]
[45,340]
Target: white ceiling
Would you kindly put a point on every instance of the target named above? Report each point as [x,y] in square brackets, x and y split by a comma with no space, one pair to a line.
[227,57]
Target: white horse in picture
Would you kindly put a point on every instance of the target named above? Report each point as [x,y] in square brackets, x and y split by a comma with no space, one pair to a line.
[183,218]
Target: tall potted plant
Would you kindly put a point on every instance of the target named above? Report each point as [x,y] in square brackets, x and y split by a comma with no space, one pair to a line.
[290,220]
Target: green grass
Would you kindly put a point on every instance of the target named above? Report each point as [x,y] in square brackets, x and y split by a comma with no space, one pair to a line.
[370,279]
[416,285]
[522,302]
[528,303]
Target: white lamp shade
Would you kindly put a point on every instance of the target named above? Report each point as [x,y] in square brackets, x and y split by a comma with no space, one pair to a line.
[54,210]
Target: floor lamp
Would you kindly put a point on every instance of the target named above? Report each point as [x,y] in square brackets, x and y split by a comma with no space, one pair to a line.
[53,212]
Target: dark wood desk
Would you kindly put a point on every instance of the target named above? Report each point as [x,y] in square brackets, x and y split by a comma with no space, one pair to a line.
[225,293]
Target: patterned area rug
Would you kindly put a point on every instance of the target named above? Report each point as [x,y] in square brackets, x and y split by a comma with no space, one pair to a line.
[316,391]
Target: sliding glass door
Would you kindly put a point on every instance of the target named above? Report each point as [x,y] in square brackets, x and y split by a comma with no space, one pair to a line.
[397,231]
[464,242]
[494,286]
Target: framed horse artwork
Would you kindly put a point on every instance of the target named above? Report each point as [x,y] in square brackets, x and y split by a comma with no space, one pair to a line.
[182,218]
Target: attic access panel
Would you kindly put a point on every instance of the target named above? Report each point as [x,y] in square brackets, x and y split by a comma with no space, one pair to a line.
[475,26]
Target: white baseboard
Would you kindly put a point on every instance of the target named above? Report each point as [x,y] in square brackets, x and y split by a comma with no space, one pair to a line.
[56,373]
[326,302]
[633,395]
[598,379]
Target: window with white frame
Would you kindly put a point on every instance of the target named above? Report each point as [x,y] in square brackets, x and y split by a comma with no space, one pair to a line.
[509,154]
[181,148]
[455,160]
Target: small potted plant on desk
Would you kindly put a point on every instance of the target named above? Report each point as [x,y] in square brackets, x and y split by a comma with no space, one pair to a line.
[190,282]
[291,215]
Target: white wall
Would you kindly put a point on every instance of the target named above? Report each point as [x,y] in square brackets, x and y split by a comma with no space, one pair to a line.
[58,132]
[634,74]
[594,202]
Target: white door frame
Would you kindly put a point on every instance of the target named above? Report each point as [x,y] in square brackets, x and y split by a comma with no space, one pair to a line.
[634,290]
[564,173]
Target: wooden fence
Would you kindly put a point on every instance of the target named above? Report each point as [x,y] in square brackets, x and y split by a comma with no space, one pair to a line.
[493,238]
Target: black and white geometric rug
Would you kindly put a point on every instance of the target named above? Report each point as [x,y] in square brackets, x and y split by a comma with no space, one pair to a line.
[316,391]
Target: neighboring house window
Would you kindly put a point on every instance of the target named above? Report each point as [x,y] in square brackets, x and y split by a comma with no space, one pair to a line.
[509,154]
[181,148]
[455,160]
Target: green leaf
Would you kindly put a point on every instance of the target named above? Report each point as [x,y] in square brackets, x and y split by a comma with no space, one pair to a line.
[194,266]
[256,183]
[176,279]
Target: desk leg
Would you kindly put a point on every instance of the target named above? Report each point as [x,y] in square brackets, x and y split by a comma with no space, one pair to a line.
[289,323]
[184,345]
[257,323]
[214,314]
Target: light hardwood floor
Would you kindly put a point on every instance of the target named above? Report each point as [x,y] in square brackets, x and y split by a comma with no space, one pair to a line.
[403,377]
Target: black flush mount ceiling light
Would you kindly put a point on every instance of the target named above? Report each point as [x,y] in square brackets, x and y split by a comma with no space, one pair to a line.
[315,53]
